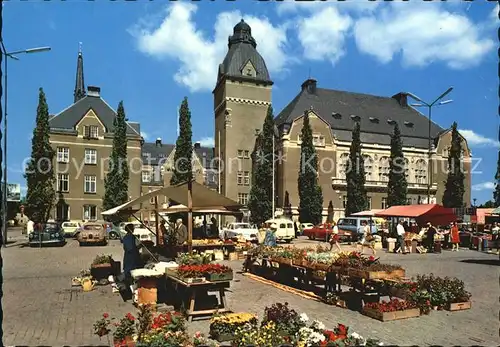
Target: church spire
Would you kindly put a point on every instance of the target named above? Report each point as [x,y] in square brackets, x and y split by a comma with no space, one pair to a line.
[79,83]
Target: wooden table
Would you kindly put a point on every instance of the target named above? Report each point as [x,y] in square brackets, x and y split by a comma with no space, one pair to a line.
[188,293]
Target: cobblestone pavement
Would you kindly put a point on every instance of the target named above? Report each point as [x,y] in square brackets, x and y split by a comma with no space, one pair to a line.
[40,308]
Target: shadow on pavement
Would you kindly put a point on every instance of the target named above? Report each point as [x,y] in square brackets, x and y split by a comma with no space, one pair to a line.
[482,261]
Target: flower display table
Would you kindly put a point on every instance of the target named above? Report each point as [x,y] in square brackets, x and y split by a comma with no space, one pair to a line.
[188,293]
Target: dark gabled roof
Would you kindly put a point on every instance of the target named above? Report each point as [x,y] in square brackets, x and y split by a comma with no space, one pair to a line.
[207,157]
[375,113]
[153,154]
[68,118]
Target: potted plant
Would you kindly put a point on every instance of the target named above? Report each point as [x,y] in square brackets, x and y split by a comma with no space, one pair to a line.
[101,327]
[217,272]
[102,267]
[125,329]
[190,273]
[391,310]
[223,327]
[288,322]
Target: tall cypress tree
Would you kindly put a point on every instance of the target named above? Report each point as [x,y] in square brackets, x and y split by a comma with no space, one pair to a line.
[454,189]
[357,200]
[310,193]
[116,182]
[183,156]
[397,187]
[261,194]
[496,192]
[41,194]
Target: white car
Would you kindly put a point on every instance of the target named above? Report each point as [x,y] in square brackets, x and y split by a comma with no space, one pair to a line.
[236,230]
[305,226]
[70,228]
[140,231]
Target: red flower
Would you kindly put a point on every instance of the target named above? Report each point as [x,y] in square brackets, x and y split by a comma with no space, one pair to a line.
[130,317]
[371,258]
[341,330]
[105,315]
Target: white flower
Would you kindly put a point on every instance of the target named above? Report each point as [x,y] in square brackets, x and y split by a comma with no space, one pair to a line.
[356,336]
[303,317]
[316,338]
[317,325]
[380,344]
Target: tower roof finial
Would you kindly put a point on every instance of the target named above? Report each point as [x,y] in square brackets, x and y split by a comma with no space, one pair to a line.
[79,92]
[80,47]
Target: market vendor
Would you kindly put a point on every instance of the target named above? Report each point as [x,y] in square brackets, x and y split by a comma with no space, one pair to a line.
[270,239]
[429,237]
[180,232]
[131,256]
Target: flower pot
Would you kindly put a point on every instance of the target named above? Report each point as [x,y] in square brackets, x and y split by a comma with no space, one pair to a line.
[435,308]
[101,271]
[128,341]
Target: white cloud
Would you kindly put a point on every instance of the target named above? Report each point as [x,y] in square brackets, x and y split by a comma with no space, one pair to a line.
[207,142]
[422,34]
[288,7]
[144,135]
[483,186]
[178,38]
[323,34]
[477,140]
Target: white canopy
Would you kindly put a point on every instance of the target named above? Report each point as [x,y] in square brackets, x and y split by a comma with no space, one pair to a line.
[369,213]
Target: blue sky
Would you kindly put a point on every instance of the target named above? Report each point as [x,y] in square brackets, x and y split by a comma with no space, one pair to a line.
[152,54]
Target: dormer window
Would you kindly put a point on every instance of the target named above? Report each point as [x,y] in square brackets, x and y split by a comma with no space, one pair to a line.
[91,131]
[318,140]
[355,118]
[409,124]
[390,121]
[374,120]
[336,115]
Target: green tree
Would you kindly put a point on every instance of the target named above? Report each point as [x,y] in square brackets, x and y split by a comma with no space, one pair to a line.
[40,196]
[496,192]
[397,186]
[488,204]
[357,200]
[116,181]
[454,189]
[310,193]
[183,156]
[261,194]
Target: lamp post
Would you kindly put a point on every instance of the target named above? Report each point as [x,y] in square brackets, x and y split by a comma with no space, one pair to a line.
[436,102]
[11,55]
[275,135]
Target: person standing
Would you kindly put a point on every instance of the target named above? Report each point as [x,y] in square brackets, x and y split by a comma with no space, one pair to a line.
[454,237]
[495,236]
[270,239]
[214,229]
[180,232]
[431,232]
[400,230]
[131,255]
[368,239]
[334,238]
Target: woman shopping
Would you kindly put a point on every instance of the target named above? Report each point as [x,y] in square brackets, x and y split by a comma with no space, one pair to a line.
[454,237]
[334,238]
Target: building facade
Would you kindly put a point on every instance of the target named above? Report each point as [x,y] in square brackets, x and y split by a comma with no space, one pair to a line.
[82,138]
[242,95]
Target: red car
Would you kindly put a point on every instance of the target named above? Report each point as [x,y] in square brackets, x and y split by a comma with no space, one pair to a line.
[322,232]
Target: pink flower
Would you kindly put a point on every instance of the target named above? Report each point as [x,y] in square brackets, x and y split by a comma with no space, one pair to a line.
[105,315]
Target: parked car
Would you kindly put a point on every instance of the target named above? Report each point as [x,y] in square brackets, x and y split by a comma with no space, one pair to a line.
[285,231]
[113,231]
[92,233]
[305,226]
[70,228]
[49,234]
[352,226]
[322,232]
[140,231]
[236,230]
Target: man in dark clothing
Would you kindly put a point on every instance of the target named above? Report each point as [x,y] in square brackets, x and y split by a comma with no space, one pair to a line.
[131,256]
[431,232]
[181,232]
[214,229]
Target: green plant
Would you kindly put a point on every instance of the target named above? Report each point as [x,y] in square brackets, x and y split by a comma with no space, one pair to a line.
[286,319]
[101,327]
[144,320]
[102,259]
[125,327]
[193,259]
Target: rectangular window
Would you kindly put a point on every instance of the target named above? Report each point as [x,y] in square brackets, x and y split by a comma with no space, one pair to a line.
[63,183]
[146,176]
[90,184]
[246,154]
[318,140]
[408,201]
[369,202]
[240,153]
[246,178]
[240,178]
[384,203]
[91,131]
[242,198]
[90,212]
[62,154]
[344,201]
[90,156]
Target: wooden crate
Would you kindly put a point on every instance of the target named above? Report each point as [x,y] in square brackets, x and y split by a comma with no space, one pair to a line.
[147,296]
[227,276]
[388,316]
[373,275]
[459,306]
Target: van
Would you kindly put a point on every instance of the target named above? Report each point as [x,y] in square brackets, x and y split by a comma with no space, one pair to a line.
[353,224]
[285,231]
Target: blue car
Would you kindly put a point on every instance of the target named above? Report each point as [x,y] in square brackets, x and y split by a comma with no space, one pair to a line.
[48,234]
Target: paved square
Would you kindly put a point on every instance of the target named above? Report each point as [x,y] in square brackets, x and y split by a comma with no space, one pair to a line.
[40,307]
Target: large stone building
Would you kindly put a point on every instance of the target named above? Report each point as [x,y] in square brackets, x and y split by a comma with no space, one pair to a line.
[243,94]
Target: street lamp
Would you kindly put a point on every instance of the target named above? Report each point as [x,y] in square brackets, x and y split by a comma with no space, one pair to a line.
[11,55]
[436,102]
[275,135]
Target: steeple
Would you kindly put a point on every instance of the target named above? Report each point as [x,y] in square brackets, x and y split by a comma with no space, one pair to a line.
[242,33]
[79,82]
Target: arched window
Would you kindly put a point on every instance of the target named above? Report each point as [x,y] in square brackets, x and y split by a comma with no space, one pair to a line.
[421,172]
[368,164]
[383,172]
[343,165]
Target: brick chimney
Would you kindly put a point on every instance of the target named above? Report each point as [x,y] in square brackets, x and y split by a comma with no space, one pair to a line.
[402,98]
[197,145]
[158,142]
[93,91]
[309,85]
